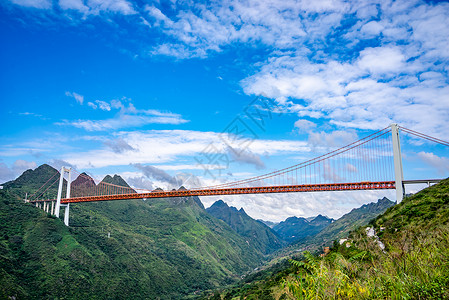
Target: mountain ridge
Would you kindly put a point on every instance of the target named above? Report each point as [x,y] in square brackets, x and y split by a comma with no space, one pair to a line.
[255,232]
[294,229]
[163,248]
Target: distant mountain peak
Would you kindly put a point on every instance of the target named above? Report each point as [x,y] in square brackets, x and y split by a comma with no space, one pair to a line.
[116,180]
[84,180]
[257,233]
[219,203]
[296,228]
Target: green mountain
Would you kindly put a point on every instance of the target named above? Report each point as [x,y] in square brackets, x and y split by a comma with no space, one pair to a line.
[154,249]
[257,234]
[117,180]
[31,180]
[402,254]
[294,229]
[344,225]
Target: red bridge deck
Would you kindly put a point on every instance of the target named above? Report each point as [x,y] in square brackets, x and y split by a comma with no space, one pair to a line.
[236,191]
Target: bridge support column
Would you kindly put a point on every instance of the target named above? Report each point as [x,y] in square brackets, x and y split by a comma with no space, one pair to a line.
[397,158]
[52,212]
[58,199]
[67,208]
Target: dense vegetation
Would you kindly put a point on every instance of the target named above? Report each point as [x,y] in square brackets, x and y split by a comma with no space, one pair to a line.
[174,248]
[256,233]
[31,180]
[413,265]
[166,248]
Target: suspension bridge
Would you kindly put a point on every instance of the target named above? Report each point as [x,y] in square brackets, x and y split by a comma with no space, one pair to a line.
[371,163]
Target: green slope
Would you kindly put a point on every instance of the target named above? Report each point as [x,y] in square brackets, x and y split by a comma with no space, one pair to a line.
[257,234]
[166,248]
[31,180]
[413,265]
[347,223]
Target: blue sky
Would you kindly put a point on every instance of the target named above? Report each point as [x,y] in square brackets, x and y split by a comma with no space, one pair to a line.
[142,88]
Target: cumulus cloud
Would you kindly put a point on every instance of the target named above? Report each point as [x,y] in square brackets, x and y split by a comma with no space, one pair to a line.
[303,125]
[354,64]
[162,146]
[437,162]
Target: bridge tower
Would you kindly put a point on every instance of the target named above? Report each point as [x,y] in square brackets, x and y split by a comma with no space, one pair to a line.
[397,158]
[58,200]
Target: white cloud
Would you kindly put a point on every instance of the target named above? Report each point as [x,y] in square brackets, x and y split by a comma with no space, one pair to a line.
[372,28]
[17,168]
[304,125]
[79,98]
[117,6]
[119,145]
[162,146]
[323,68]
[103,105]
[88,7]
[74,4]
[381,60]
[334,139]
[439,163]
[128,116]
[247,157]
[6,173]
[42,4]
[123,121]
[278,207]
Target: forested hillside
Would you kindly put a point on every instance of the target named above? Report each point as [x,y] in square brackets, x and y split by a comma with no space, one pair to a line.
[402,254]
[256,233]
[343,226]
[165,248]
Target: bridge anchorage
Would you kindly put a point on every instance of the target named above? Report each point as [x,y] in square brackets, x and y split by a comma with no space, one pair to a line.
[371,163]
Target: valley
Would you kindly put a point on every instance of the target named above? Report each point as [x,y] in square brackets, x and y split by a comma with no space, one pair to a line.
[166,248]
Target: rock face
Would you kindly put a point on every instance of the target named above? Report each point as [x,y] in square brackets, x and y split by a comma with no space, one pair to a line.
[256,233]
[294,229]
